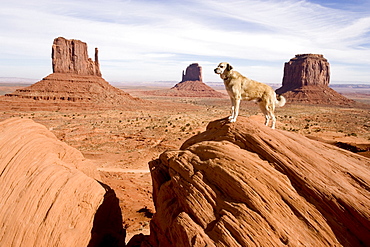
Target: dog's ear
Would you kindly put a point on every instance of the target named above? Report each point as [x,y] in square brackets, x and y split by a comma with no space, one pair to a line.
[229,67]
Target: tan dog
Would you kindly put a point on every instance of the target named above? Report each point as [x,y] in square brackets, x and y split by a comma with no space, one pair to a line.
[240,87]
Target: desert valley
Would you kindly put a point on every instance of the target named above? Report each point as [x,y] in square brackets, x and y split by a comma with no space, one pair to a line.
[179,170]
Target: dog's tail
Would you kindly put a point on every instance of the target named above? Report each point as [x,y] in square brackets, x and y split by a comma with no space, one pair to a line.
[280,100]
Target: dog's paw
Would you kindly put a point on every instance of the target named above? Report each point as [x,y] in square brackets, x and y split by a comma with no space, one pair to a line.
[232,120]
[231,117]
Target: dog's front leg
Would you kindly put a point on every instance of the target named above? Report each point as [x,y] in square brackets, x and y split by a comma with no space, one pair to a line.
[234,110]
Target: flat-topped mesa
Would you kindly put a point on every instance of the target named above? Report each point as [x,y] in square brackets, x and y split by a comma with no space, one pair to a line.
[193,73]
[70,56]
[305,70]
[306,80]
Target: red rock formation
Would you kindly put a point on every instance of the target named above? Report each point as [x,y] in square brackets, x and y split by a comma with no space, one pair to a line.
[306,70]
[49,194]
[321,95]
[188,89]
[306,80]
[70,56]
[76,82]
[194,89]
[243,184]
[190,86]
[64,87]
[193,73]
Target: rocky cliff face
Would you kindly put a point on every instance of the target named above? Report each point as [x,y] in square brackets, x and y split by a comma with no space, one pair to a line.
[192,73]
[306,80]
[306,70]
[243,184]
[49,195]
[70,56]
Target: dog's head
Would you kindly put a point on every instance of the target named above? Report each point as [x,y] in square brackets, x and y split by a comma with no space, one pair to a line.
[223,68]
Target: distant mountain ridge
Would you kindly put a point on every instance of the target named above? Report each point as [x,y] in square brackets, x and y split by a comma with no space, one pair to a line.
[17,80]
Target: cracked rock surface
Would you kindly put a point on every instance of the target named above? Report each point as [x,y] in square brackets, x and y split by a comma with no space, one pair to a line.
[243,184]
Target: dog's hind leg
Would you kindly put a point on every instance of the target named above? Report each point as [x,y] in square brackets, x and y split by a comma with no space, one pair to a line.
[269,114]
[273,120]
[271,110]
[265,112]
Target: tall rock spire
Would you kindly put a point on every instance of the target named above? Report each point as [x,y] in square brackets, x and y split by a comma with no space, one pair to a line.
[70,56]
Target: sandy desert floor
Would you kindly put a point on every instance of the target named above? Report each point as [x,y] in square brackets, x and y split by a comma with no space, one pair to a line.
[123,142]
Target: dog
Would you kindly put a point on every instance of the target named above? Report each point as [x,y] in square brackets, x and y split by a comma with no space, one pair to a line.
[240,88]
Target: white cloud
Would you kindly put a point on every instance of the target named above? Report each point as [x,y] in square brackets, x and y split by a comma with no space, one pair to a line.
[156,40]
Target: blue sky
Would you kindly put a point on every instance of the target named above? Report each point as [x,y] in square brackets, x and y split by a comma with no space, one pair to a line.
[146,41]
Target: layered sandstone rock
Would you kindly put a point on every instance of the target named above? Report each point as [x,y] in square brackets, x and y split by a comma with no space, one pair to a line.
[76,82]
[243,184]
[72,88]
[70,56]
[192,73]
[191,85]
[321,95]
[306,80]
[194,89]
[306,70]
[49,195]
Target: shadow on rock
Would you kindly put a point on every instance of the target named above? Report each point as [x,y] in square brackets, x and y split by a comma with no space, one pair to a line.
[107,228]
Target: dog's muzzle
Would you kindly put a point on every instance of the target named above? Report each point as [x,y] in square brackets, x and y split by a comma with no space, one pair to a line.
[217,71]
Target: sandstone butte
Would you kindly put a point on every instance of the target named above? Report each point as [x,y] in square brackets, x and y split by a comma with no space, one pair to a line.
[191,85]
[50,195]
[243,184]
[306,80]
[76,81]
